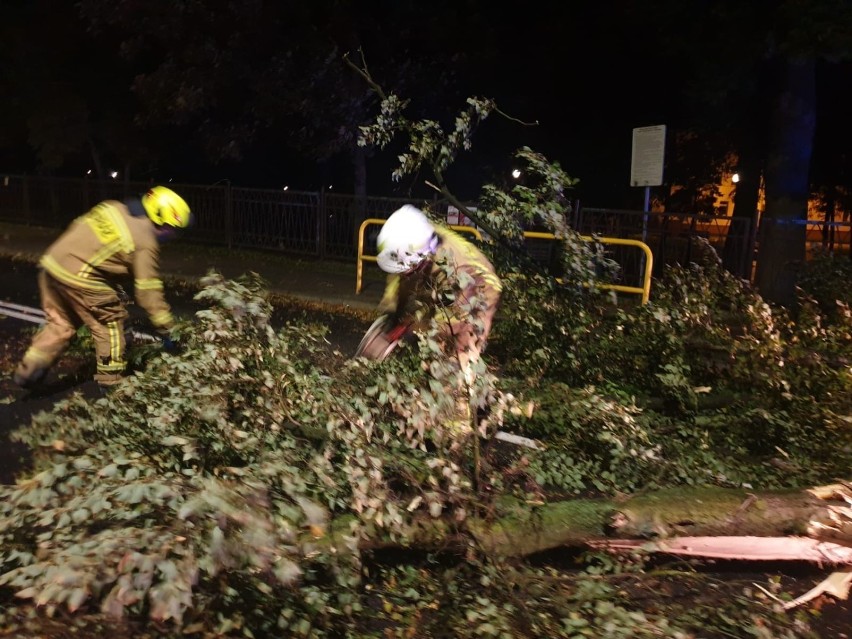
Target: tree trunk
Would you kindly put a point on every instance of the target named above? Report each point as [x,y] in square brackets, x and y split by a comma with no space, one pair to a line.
[738,252]
[523,529]
[99,169]
[782,230]
[359,164]
[828,218]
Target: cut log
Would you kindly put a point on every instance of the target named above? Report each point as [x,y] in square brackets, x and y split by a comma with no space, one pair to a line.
[516,528]
[822,553]
[820,513]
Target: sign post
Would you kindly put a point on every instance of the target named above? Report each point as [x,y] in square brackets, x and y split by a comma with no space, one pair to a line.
[646,164]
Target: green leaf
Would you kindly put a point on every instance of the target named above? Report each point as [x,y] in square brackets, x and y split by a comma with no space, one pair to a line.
[108,471]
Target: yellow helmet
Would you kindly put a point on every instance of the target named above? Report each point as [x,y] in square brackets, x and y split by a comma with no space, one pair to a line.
[166,208]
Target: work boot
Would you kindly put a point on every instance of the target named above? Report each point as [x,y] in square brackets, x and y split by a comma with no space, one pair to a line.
[106,382]
[29,375]
[105,389]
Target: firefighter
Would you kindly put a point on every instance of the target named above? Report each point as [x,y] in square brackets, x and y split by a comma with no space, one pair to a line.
[434,273]
[77,281]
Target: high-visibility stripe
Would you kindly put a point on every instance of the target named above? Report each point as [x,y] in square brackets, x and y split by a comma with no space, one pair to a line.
[123,239]
[112,367]
[115,353]
[63,275]
[127,244]
[36,355]
[107,223]
[493,280]
[163,318]
[106,252]
[149,284]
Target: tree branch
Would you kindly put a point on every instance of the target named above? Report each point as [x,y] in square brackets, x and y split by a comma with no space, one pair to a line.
[364,72]
[514,119]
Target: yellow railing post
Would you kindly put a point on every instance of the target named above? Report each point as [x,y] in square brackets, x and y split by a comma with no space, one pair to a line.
[645,290]
[359,268]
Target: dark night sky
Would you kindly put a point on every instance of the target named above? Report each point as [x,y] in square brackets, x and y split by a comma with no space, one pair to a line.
[587,73]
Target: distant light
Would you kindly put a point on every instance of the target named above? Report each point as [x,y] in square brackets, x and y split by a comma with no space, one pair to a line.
[114,174]
[735,178]
[89,172]
[285,188]
[330,187]
[516,173]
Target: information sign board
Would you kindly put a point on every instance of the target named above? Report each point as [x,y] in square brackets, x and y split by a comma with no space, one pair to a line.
[646,162]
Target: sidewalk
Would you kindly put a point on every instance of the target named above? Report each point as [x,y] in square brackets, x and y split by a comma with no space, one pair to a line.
[325,282]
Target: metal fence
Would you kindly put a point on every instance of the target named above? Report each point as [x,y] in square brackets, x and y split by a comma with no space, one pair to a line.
[325,225]
[317,224]
[672,236]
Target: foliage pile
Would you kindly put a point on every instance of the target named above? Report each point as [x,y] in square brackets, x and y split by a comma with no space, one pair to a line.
[706,384]
[232,491]
[209,478]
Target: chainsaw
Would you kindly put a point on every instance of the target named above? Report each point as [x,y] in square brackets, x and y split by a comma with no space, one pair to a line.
[383,336]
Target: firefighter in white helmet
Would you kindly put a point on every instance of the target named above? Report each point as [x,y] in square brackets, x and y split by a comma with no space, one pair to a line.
[424,260]
[77,280]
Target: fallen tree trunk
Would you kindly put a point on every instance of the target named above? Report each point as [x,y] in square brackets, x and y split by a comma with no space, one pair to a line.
[820,513]
[517,529]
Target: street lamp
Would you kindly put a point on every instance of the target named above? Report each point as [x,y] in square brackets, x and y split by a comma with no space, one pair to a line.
[735,178]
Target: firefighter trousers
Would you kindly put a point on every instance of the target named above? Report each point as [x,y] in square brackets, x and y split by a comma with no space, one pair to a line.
[67,308]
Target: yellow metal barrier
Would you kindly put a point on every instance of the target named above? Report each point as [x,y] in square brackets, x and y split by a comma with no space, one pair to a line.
[644,290]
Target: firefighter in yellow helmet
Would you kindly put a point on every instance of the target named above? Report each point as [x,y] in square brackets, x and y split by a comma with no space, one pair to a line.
[433,272]
[77,280]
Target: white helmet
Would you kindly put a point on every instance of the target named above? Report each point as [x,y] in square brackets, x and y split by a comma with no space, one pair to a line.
[406,239]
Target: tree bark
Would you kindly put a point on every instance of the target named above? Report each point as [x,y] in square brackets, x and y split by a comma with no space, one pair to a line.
[522,529]
[99,169]
[738,252]
[359,165]
[782,230]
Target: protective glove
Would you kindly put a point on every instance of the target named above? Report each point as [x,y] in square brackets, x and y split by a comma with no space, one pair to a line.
[421,314]
[393,325]
[170,344]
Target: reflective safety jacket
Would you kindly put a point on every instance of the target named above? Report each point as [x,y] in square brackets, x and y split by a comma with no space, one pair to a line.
[459,280]
[106,242]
